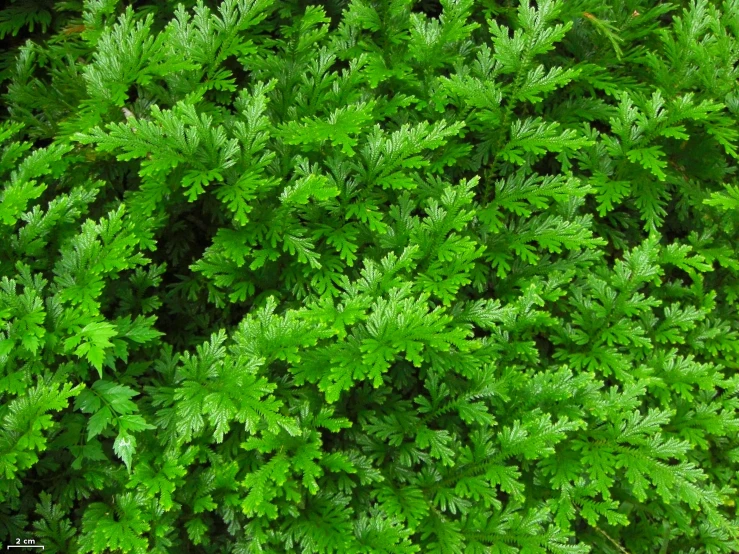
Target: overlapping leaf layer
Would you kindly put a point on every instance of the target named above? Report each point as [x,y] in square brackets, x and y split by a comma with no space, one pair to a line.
[370,276]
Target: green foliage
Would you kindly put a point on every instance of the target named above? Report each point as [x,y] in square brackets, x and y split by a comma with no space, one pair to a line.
[370,276]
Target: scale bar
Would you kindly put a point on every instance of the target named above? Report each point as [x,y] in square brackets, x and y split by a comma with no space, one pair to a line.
[25,546]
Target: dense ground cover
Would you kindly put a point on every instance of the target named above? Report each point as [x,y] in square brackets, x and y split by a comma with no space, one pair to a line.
[382,276]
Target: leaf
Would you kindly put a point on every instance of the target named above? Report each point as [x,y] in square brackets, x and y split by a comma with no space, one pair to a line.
[650,158]
[99,422]
[133,422]
[118,397]
[94,340]
[196,530]
[438,440]
[124,447]
[535,136]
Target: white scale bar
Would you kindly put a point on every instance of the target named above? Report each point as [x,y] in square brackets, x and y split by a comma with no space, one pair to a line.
[25,546]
